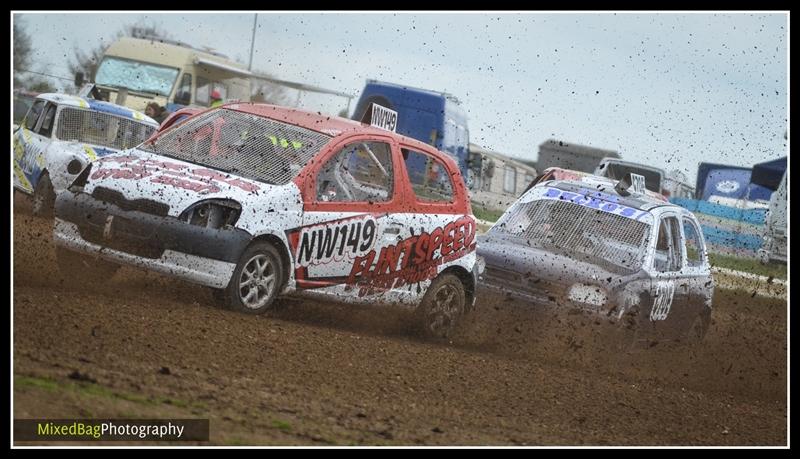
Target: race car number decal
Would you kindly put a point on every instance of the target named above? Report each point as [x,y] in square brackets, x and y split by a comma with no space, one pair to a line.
[347,251]
[335,241]
[665,291]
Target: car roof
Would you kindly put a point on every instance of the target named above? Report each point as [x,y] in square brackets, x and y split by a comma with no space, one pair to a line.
[325,124]
[97,105]
[635,200]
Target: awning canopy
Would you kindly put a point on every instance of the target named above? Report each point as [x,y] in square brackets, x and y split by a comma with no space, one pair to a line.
[259,76]
[221,66]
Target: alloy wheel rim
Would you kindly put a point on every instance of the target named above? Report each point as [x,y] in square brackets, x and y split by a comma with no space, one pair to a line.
[257,281]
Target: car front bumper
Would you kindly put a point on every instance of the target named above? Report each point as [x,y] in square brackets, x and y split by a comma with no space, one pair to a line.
[163,244]
[192,268]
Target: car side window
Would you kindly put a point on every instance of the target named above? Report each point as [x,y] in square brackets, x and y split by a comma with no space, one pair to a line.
[46,129]
[428,176]
[668,253]
[33,114]
[359,172]
[694,250]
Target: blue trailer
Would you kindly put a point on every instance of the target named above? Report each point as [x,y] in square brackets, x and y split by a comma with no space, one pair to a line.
[432,117]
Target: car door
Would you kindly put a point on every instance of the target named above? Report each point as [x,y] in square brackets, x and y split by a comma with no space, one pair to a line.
[349,217]
[31,141]
[696,273]
[669,292]
[436,220]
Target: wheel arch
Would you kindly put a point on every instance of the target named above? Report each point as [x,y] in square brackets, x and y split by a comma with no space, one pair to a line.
[467,280]
[283,250]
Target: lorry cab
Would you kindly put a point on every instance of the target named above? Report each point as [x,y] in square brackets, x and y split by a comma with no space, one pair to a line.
[136,71]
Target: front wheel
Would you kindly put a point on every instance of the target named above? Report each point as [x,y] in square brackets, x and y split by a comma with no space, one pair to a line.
[442,307]
[256,280]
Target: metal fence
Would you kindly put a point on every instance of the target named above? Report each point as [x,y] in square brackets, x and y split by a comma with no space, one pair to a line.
[102,129]
[578,229]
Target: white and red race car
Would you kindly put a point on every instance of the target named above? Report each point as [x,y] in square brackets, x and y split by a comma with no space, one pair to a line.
[258,200]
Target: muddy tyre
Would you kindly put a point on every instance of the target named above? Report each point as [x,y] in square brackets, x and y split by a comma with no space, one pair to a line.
[256,281]
[442,307]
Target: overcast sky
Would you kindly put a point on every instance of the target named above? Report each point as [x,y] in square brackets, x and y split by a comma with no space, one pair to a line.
[669,90]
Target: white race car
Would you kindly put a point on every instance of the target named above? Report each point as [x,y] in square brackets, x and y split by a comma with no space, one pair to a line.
[61,134]
[256,200]
[604,248]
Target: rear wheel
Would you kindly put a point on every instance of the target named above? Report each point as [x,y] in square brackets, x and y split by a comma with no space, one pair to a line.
[256,280]
[443,307]
[44,197]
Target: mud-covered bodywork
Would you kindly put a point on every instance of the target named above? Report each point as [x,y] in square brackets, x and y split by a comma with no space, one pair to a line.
[61,134]
[333,196]
[569,246]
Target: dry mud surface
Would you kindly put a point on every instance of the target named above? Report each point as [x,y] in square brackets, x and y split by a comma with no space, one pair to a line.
[142,345]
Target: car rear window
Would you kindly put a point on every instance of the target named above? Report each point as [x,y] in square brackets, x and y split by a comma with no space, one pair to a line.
[584,232]
[243,144]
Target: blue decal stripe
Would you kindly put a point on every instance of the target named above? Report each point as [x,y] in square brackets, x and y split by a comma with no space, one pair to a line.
[105,107]
[103,151]
[594,201]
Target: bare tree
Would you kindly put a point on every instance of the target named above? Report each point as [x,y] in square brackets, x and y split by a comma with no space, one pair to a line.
[37,84]
[22,53]
[24,76]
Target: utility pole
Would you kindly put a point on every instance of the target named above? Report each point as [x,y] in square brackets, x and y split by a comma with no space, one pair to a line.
[252,43]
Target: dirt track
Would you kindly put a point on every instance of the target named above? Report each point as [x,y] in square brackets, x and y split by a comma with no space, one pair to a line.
[329,374]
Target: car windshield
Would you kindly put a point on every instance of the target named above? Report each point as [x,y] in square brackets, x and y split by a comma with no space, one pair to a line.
[580,231]
[247,145]
[102,129]
[136,76]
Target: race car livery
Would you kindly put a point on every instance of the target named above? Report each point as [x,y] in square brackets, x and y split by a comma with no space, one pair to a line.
[61,134]
[637,261]
[256,200]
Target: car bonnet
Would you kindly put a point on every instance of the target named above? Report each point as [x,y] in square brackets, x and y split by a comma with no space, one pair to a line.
[142,175]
